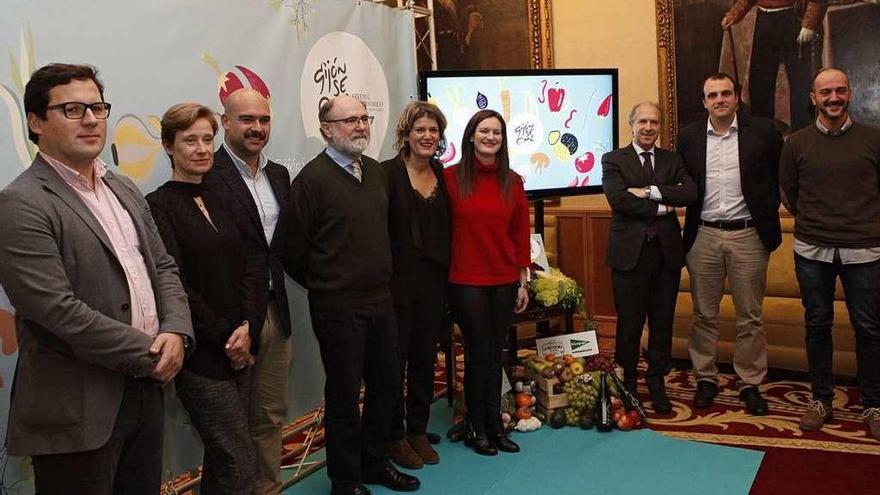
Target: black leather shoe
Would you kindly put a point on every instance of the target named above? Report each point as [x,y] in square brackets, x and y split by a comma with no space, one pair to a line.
[457,433]
[504,444]
[659,399]
[755,404]
[705,394]
[480,444]
[391,478]
[358,490]
[433,438]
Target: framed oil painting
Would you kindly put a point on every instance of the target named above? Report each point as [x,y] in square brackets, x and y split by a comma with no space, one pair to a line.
[772,53]
[490,34]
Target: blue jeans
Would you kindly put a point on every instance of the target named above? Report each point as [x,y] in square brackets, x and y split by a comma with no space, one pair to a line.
[861,286]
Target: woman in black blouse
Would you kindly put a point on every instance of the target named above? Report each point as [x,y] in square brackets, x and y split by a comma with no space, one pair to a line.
[202,238]
[418,223]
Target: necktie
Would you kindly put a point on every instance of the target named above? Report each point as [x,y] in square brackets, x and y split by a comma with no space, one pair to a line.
[356,169]
[649,168]
[651,231]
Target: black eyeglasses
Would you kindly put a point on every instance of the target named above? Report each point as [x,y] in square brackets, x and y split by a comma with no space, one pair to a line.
[353,121]
[76,109]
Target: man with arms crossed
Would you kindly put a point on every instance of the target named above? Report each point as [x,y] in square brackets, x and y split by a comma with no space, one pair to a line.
[101,318]
[643,183]
[830,178]
[255,190]
[339,250]
[729,234]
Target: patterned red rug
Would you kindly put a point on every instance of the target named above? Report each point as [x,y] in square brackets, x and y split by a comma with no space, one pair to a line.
[727,422]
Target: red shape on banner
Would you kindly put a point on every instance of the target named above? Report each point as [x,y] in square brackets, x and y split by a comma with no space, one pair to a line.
[256,81]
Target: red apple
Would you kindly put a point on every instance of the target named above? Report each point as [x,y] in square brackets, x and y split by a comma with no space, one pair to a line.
[634,418]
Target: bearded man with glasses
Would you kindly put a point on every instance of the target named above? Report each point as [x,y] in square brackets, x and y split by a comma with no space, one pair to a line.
[338,248]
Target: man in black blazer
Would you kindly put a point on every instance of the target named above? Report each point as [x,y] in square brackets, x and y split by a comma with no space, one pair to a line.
[729,234]
[643,184]
[256,190]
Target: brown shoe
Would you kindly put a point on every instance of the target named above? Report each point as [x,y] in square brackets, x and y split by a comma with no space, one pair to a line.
[404,456]
[872,419]
[423,449]
[816,416]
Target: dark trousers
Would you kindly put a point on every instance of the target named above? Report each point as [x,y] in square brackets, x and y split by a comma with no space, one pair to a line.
[419,321]
[219,411]
[775,42]
[484,315]
[861,286]
[130,462]
[648,290]
[357,343]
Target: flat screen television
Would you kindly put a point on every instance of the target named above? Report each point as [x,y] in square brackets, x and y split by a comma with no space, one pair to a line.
[559,121]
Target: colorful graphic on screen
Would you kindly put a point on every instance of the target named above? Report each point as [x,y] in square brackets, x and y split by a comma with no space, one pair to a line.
[558,125]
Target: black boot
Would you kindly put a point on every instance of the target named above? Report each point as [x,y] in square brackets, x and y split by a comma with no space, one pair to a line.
[479,442]
[504,444]
[657,391]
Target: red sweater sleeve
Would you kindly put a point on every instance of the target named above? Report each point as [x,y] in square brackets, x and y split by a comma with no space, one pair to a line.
[520,228]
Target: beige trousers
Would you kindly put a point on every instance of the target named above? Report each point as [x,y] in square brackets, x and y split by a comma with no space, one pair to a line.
[739,257]
[269,402]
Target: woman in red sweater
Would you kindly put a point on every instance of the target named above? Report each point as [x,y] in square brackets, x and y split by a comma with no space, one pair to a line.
[488,268]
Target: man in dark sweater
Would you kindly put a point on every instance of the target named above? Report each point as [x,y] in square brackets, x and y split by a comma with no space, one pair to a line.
[830,179]
[338,249]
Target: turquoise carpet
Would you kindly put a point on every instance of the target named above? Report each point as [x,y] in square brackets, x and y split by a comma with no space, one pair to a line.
[574,461]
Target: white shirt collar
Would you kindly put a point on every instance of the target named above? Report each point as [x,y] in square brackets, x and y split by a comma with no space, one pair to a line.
[639,149]
[824,130]
[242,166]
[733,126]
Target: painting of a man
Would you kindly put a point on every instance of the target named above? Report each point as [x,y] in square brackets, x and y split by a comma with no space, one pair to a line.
[786,32]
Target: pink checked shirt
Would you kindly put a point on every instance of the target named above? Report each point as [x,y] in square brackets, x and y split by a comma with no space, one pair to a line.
[118,226]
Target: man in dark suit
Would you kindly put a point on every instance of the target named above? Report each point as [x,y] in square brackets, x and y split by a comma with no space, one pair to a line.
[256,190]
[643,184]
[102,320]
[729,234]
[339,250]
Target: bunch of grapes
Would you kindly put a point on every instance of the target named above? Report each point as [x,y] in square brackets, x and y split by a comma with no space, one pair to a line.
[572,416]
[600,362]
[581,396]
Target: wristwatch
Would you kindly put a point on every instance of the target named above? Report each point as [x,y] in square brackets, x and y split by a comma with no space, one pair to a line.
[188,346]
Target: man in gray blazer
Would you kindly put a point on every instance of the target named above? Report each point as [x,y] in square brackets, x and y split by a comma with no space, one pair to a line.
[101,317]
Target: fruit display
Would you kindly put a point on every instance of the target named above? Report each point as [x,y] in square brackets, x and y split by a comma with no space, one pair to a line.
[579,382]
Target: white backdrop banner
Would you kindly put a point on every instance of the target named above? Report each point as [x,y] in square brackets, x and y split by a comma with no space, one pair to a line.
[154,54]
